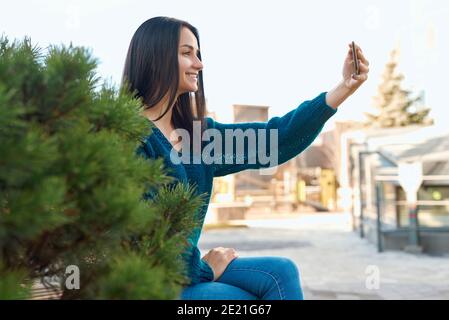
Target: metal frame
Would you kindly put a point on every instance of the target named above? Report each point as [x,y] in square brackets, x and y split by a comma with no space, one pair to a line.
[379,180]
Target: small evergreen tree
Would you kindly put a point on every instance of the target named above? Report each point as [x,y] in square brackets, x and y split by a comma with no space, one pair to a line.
[72,185]
[396,106]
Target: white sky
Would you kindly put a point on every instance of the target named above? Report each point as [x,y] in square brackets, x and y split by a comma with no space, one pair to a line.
[261,52]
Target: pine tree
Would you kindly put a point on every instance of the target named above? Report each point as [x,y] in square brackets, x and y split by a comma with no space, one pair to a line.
[396,106]
[73,186]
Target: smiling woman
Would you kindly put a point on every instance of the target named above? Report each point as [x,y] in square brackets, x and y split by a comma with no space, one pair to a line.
[189,62]
[164,69]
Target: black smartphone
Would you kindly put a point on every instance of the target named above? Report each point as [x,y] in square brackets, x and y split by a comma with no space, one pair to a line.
[356,59]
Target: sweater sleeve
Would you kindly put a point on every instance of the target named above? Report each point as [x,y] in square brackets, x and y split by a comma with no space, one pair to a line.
[198,270]
[295,131]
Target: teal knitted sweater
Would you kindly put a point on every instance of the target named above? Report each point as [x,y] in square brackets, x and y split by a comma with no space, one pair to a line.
[296,131]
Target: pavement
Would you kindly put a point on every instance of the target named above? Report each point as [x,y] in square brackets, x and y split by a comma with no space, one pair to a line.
[334,262]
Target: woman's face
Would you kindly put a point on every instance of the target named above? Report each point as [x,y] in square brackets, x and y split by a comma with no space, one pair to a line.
[189,63]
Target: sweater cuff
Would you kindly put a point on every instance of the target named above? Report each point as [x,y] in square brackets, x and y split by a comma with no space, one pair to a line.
[321,108]
[206,274]
[200,270]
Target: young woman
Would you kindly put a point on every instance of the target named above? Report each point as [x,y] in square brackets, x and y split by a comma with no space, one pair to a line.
[164,68]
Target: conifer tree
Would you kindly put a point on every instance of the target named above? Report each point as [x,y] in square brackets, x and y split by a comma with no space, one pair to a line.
[74,188]
[396,106]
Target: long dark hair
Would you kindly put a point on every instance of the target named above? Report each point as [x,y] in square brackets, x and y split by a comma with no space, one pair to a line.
[152,70]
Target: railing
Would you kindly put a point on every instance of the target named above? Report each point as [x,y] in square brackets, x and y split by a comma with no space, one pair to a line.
[380,202]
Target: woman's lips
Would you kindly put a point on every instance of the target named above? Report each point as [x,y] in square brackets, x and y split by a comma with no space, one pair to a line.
[192,76]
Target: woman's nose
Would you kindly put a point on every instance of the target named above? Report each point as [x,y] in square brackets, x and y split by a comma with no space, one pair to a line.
[199,64]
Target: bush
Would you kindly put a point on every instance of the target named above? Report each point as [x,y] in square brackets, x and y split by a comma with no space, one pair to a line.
[72,183]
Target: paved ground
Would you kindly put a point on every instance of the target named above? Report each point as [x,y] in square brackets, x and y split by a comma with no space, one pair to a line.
[334,262]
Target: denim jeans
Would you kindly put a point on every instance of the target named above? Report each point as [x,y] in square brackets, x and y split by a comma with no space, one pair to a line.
[251,278]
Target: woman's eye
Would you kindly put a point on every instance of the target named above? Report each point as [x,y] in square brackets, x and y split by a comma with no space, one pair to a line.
[188,54]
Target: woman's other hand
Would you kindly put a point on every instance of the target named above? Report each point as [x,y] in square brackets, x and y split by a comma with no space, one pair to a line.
[219,258]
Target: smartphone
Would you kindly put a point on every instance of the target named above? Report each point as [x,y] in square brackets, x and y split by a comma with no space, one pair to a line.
[356,59]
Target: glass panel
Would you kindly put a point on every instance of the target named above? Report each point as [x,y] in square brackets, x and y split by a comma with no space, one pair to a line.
[428,215]
[403,216]
[389,206]
[433,216]
[434,193]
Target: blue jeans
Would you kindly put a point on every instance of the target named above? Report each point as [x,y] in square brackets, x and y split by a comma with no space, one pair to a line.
[251,278]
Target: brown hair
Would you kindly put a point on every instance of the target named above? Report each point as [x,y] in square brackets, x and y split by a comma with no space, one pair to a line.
[152,70]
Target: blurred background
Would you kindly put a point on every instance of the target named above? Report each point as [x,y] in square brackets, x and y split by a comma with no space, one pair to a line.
[374,186]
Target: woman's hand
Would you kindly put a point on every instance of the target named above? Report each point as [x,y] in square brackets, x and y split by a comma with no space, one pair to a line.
[350,79]
[350,82]
[219,258]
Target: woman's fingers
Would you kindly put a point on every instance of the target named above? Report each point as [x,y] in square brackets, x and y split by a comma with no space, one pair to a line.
[361,77]
[360,54]
[363,67]
[362,57]
[230,252]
